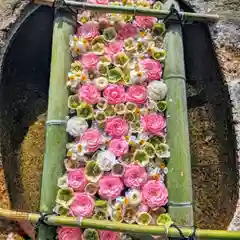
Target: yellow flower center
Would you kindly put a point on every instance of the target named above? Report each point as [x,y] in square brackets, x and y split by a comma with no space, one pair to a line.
[142,34]
[137,111]
[141,142]
[84,77]
[69,153]
[156,176]
[139,74]
[80,148]
[127,138]
[162,165]
[71,77]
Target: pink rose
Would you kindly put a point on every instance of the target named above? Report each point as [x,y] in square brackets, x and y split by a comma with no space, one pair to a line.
[69,233]
[110,187]
[76,179]
[118,146]
[153,68]
[82,205]
[143,208]
[154,123]
[126,31]
[137,94]
[135,176]
[116,127]
[89,60]
[155,194]
[92,137]
[144,22]
[88,30]
[108,235]
[113,48]
[98,1]
[89,93]
[114,94]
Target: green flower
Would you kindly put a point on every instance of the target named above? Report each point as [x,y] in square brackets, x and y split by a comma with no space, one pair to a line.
[109,111]
[73,101]
[101,203]
[157,5]
[159,29]
[102,68]
[131,107]
[127,18]
[150,150]
[62,182]
[76,67]
[85,111]
[102,104]
[93,171]
[117,216]
[61,210]
[109,34]
[119,108]
[159,54]
[144,218]
[135,127]
[98,48]
[98,39]
[91,188]
[106,60]
[118,169]
[141,157]
[90,234]
[121,59]
[164,219]
[129,44]
[100,214]
[162,150]
[141,47]
[130,116]
[115,75]
[130,215]
[65,197]
[156,140]
[162,106]
[100,116]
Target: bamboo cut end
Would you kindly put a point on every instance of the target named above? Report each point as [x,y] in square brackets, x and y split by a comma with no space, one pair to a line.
[13,215]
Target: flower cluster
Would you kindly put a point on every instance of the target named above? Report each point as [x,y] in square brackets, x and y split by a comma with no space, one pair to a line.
[115,163]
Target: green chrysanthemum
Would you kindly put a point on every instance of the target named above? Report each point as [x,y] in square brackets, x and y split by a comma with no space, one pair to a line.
[157,5]
[121,60]
[144,218]
[120,108]
[164,219]
[85,111]
[109,34]
[130,116]
[159,29]
[61,210]
[150,150]
[98,39]
[65,197]
[76,67]
[98,48]
[159,54]
[100,116]
[100,214]
[115,75]
[156,140]
[141,157]
[92,171]
[109,111]
[162,106]
[102,68]
[129,44]
[131,107]
[90,234]
[73,102]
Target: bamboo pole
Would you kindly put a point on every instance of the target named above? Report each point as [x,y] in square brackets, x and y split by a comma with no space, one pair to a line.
[56,137]
[120,227]
[187,16]
[179,179]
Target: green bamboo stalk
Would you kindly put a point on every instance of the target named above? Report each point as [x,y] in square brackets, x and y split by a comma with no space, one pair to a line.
[179,180]
[56,137]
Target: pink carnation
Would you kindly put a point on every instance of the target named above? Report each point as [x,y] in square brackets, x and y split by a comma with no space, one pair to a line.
[89,93]
[76,179]
[110,187]
[113,48]
[135,176]
[155,194]
[137,94]
[114,94]
[92,137]
[108,235]
[82,205]
[154,123]
[89,61]
[69,233]
[126,31]
[118,146]
[88,30]
[153,68]
[116,127]
[144,22]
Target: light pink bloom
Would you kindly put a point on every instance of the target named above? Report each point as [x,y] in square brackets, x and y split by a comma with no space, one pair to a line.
[113,48]
[154,123]
[116,127]
[88,30]
[89,61]
[144,22]
[114,94]
[92,137]
[98,1]
[69,233]
[126,31]
[76,179]
[110,187]
[155,194]
[82,205]
[153,68]
[135,176]
[89,93]
[137,94]
[108,235]
[118,146]
[143,208]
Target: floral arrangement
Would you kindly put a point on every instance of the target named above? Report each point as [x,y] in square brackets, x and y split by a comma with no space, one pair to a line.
[115,160]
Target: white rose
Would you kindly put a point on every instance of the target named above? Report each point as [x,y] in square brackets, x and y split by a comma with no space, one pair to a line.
[106,160]
[76,126]
[157,90]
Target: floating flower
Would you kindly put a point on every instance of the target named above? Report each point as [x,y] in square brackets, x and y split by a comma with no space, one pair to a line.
[143,208]
[101,203]
[105,160]
[114,94]
[88,30]
[129,44]
[158,54]
[154,123]
[121,59]
[159,29]
[62,181]
[141,157]
[92,171]
[83,17]
[131,107]
[115,75]
[90,61]
[76,126]
[101,82]
[164,219]
[120,108]
[135,176]
[162,150]
[108,235]
[114,48]
[102,104]
[110,187]
[130,215]
[144,22]
[118,146]
[130,116]
[138,76]
[91,189]
[78,46]
[76,179]
[126,31]
[98,48]
[157,5]
[118,170]
[105,60]
[152,67]
[157,90]
[102,69]
[92,137]
[61,210]
[85,111]
[135,127]
[143,218]
[100,214]
[149,149]
[90,234]
[65,197]
[100,116]
[77,151]
[134,197]
[137,94]
[109,34]
[82,205]
[162,106]
[76,67]
[73,102]
[116,127]
[143,3]
[109,111]
[155,194]
[117,216]
[141,46]
[103,23]
[69,233]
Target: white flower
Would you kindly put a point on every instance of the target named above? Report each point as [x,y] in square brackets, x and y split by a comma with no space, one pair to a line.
[77,151]
[106,160]
[62,181]
[141,139]
[101,82]
[157,90]
[137,76]
[76,126]
[162,151]
[134,197]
